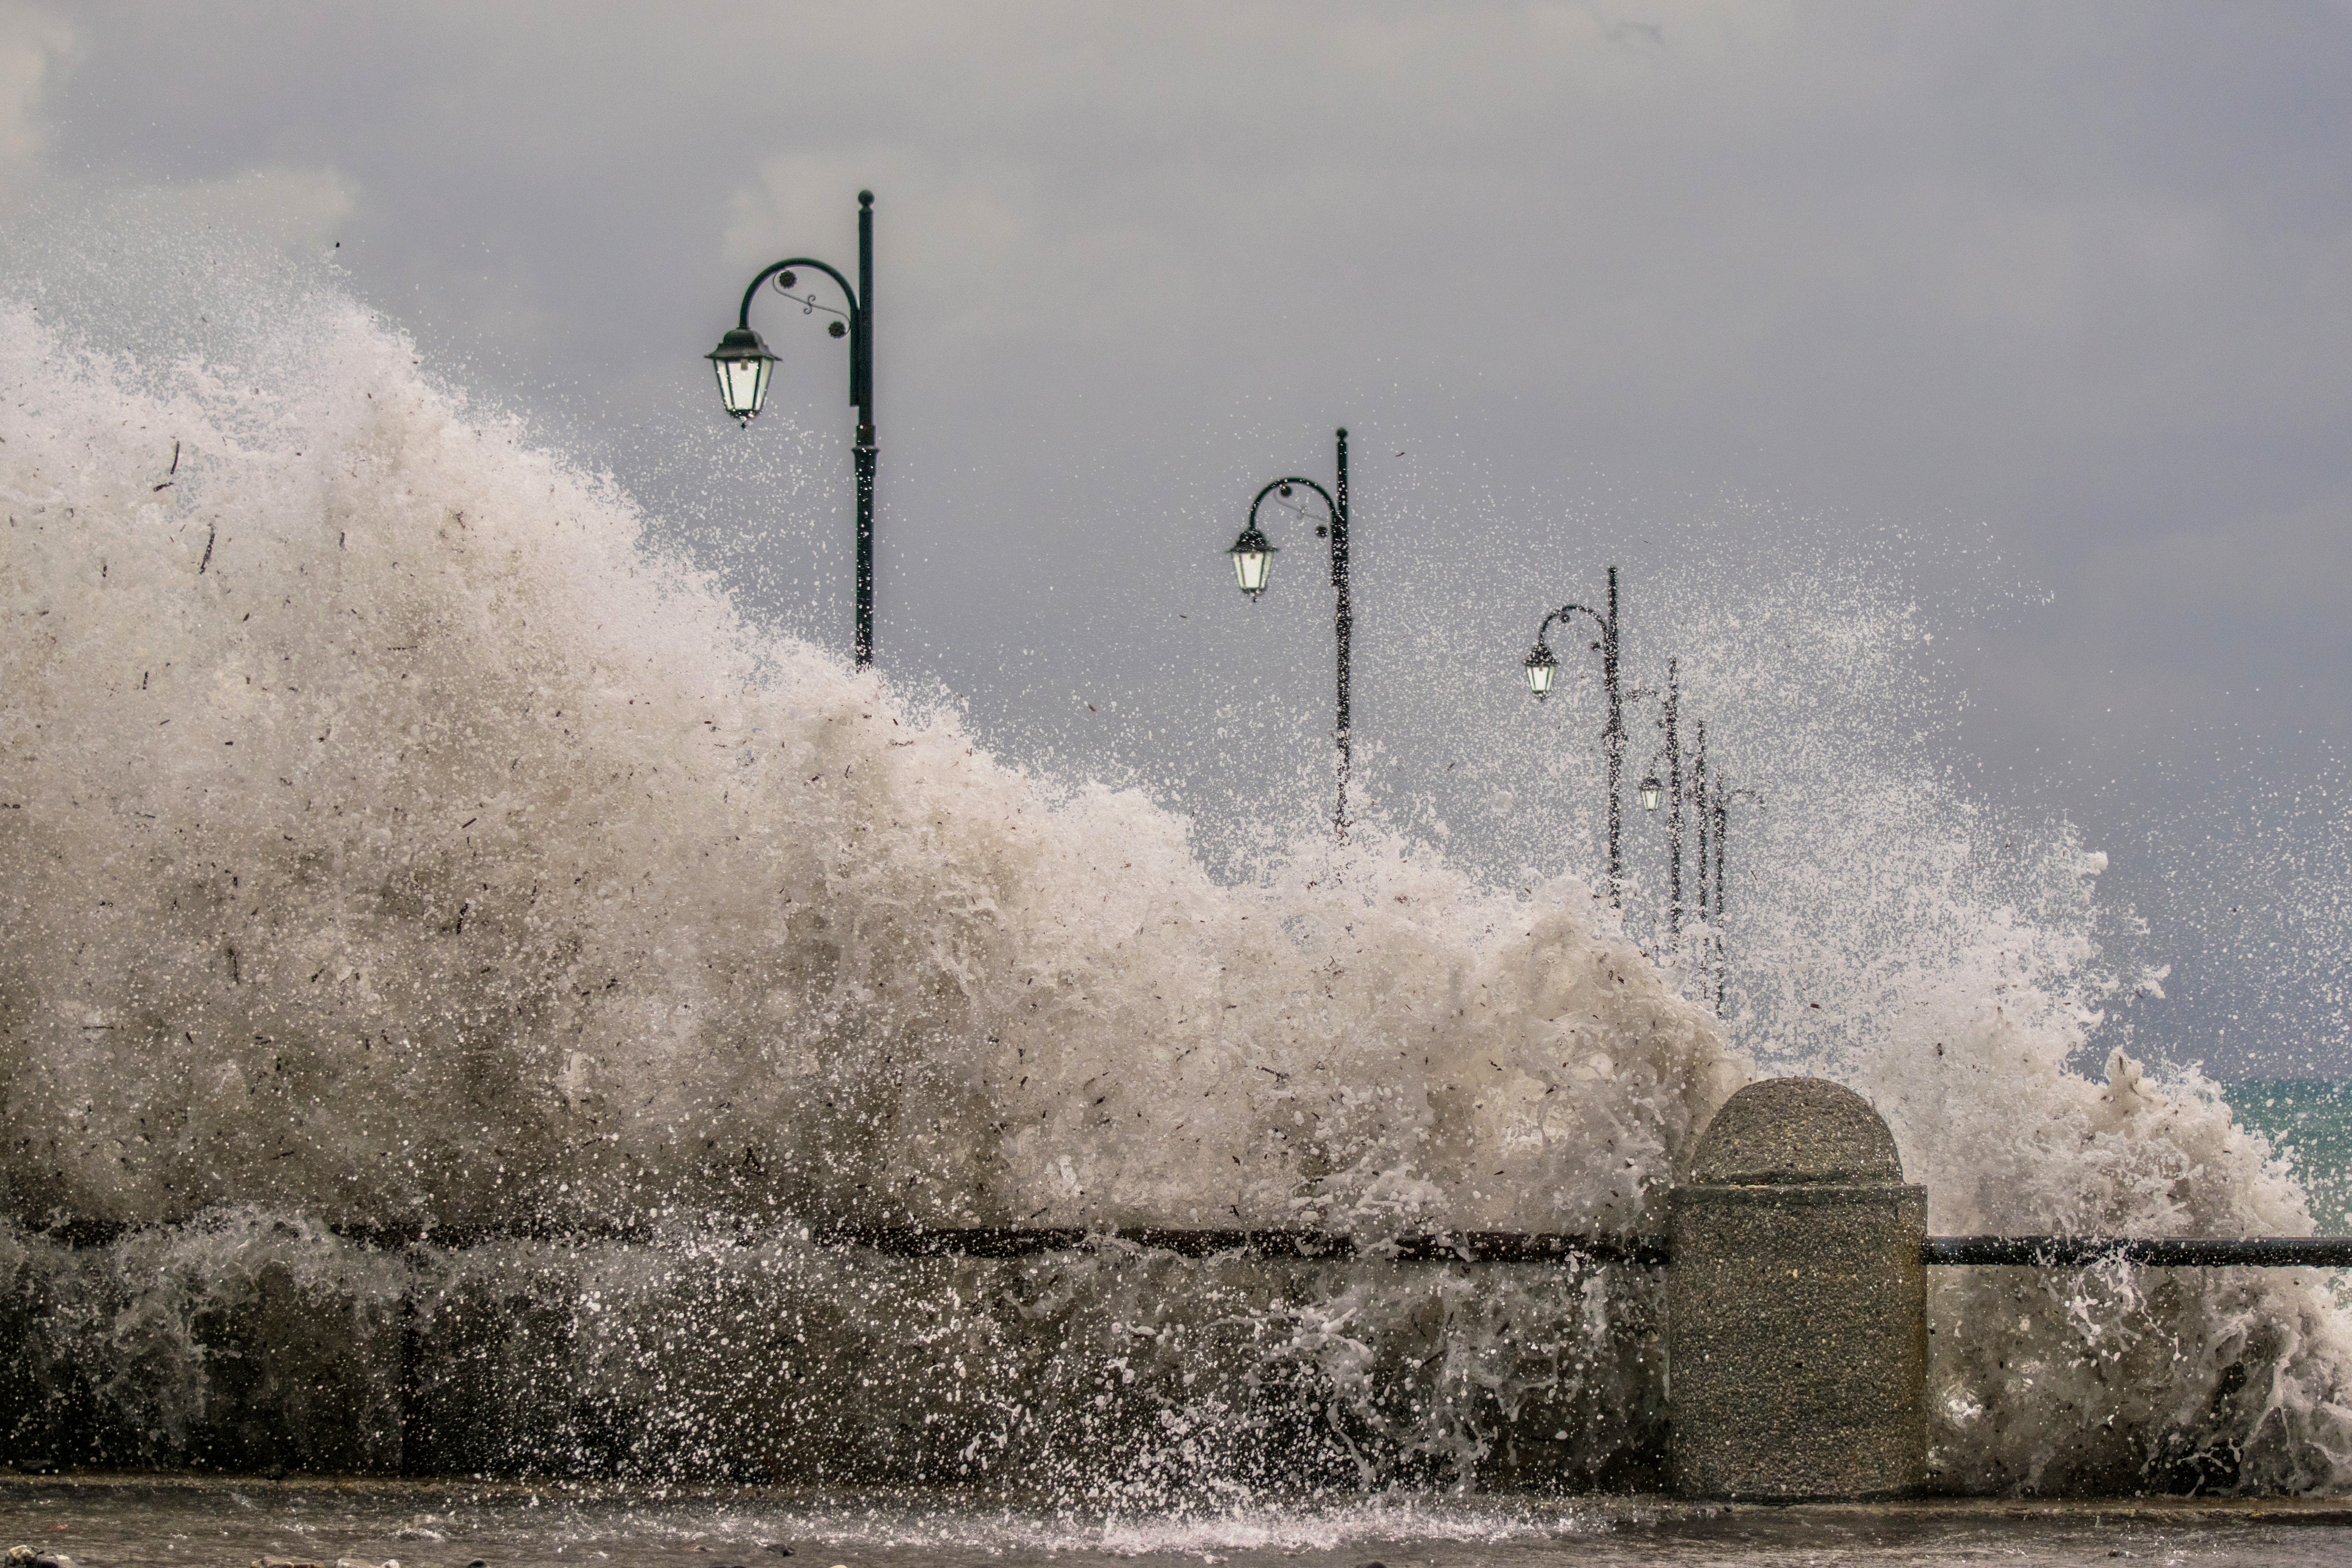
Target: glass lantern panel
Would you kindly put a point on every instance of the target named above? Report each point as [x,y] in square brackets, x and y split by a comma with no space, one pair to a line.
[744,383]
[1249,567]
[1652,792]
[1540,676]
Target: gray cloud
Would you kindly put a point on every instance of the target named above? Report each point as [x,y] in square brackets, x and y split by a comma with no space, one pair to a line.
[2061,291]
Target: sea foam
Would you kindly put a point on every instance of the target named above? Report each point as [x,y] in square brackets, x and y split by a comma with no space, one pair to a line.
[391,836]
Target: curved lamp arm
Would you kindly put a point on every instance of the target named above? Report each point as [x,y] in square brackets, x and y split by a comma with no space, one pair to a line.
[1600,622]
[743,318]
[857,316]
[1329,505]
[1541,663]
[1253,544]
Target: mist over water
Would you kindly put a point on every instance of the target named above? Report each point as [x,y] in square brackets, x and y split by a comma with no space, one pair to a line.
[389,833]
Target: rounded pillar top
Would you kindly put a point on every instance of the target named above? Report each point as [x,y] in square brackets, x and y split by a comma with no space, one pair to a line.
[1789,1131]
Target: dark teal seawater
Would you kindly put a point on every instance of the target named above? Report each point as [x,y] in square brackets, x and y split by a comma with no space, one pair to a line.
[2312,1117]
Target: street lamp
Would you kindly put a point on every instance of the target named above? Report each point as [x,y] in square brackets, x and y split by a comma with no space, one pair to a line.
[744,367]
[1714,825]
[1252,557]
[1543,669]
[1671,719]
[1716,813]
[1653,792]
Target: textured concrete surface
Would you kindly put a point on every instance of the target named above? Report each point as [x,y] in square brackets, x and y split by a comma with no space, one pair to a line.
[1796,1304]
[1804,1130]
[149,1521]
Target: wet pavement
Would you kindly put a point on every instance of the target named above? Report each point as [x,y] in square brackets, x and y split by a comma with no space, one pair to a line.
[103,1521]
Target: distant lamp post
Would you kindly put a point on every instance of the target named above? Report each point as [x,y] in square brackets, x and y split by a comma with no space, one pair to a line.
[744,367]
[1713,809]
[1671,719]
[1252,557]
[1543,671]
[1542,668]
[1668,791]
[1716,814]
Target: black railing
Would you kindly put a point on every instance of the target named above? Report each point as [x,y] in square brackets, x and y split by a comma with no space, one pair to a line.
[1429,1247]
[2154,1251]
[1434,1246]
[1645,1251]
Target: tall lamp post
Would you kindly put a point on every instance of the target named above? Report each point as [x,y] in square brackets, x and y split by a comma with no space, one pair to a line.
[744,365]
[1706,817]
[1713,814]
[1714,829]
[1669,792]
[1253,558]
[1675,810]
[1542,668]
[1721,811]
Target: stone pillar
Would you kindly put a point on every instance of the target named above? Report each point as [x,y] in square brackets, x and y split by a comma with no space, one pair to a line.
[1797,1303]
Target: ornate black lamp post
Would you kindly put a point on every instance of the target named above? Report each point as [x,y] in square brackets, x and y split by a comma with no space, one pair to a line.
[1713,814]
[1714,829]
[1673,722]
[1670,793]
[745,365]
[1541,668]
[1705,822]
[1720,810]
[1253,558]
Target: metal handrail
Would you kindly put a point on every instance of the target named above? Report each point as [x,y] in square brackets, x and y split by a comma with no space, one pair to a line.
[1425,1246]
[1432,1246]
[2154,1251]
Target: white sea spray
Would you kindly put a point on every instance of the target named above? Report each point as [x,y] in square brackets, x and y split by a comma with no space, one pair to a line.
[390,836]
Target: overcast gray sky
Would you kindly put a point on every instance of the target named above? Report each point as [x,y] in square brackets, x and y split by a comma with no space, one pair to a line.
[2051,306]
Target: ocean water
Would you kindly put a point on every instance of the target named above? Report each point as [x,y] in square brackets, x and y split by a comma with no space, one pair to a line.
[2312,1120]
[392,832]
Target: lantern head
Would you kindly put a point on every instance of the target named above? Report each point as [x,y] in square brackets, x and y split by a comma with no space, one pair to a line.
[1652,793]
[1252,559]
[743,363]
[1542,669]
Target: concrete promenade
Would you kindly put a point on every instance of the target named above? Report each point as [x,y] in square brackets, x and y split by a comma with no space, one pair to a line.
[102,1520]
